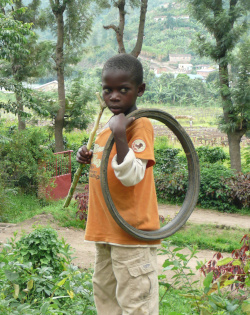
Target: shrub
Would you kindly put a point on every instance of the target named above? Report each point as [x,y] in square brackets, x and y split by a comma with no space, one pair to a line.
[211,155]
[32,288]
[239,188]
[42,248]
[172,186]
[166,160]
[213,189]
[82,200]
[19,158]
[236,269]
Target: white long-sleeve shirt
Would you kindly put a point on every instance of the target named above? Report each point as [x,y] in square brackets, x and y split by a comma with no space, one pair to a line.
[131,171]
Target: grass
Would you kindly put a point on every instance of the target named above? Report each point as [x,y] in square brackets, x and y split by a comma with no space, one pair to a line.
[173,302]
[208,236]
[24,207]
[204,236]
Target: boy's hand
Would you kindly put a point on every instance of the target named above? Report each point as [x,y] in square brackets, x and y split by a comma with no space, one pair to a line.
[84,156]
[119,123]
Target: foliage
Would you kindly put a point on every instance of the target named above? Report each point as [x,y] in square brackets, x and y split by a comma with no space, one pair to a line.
[166,160]
[23,58]
[239,187]
[28,288]
[74,142]
[211,155]
[42,248]
[20,159]
[82,200]
[13,34]
[202,300]
[220,238]
[215,192]
[235,270]
[78,112]
[227,21]
[31,100]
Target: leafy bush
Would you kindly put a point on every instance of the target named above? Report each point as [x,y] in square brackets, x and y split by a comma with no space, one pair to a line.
[31,288]
[239,188]
[211,155]
[42,248]
[213,189]
[19,159]
[235,269]
[82,200]
[172,186]
[166,160]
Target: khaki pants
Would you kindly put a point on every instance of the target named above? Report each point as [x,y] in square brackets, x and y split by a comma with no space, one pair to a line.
[125,280]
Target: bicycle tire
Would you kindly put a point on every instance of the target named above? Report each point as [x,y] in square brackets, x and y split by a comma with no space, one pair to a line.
[192,193]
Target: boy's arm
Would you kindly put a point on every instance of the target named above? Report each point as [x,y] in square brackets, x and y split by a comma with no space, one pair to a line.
[118,125]
[131,171]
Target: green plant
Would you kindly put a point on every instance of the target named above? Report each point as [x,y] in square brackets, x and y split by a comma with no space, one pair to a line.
[239,187]
[20,158]
[236,268]
[42,248]
[31,288]
[211,154]
[203,301]
[82,200]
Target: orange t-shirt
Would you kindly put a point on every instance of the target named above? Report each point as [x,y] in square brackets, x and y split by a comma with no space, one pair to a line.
[136,204]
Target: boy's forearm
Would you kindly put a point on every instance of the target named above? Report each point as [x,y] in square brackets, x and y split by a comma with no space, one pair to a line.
[121,144]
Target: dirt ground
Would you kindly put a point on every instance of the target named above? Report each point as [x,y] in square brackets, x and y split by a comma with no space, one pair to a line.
[84,251]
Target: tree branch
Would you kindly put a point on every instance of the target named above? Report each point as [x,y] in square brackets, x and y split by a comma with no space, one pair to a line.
[137,49]
[107,27]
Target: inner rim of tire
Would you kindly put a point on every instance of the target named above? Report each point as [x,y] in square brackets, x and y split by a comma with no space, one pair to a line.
[193,179]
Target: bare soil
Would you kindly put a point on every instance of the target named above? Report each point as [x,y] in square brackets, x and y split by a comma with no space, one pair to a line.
[85,251]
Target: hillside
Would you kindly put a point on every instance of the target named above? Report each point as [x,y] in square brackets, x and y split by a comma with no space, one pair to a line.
[168,30]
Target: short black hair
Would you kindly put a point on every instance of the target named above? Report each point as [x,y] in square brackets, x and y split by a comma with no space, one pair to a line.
[128,63]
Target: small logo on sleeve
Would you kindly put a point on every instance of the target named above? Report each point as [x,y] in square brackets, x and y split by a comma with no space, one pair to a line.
[138,146]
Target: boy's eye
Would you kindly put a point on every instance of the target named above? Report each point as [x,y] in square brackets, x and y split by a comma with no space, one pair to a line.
[106,90]
[124,90]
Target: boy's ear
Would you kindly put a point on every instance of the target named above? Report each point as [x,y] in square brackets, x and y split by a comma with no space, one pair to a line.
[141,89]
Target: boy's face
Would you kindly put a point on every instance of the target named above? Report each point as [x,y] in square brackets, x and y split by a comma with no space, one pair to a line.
[120,92]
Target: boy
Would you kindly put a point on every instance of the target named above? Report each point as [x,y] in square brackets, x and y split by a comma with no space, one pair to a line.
[125,274]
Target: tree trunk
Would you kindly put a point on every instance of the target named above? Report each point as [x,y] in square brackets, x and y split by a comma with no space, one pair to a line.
[234,149]
[137,49]
[21,120]
[234,137]
[59,120]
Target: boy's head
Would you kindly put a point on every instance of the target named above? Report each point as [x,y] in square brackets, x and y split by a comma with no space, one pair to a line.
[126,63]
[122,82]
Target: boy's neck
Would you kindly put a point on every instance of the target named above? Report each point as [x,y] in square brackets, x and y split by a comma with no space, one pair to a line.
[133,108]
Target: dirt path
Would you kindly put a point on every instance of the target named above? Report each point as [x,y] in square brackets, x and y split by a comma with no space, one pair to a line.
[84,252]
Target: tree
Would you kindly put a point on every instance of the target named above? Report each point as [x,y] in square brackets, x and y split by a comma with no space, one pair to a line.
[22,55]
[119,30]
[226,21]
[71,21]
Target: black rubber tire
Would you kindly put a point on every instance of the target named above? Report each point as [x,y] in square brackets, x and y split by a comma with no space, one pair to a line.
[193,179]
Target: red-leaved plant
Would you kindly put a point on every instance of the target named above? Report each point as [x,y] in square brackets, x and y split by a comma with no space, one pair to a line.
[82,203]
[237,267]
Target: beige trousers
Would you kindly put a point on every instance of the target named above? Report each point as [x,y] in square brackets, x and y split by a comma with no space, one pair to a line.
[125,280]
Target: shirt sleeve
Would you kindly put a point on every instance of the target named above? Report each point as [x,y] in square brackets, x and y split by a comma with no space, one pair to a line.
[131,171]
[140,136]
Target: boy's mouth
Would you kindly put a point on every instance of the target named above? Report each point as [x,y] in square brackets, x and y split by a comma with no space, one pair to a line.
[115,109]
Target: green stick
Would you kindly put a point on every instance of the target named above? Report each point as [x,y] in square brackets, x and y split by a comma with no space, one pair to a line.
[91,138]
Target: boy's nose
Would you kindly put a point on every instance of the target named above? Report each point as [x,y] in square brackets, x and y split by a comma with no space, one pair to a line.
[114,96]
